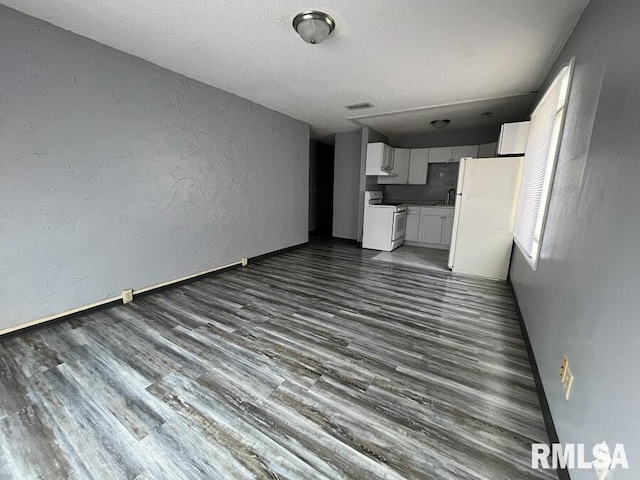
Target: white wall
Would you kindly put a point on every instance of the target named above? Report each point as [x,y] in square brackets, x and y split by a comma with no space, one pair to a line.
[116,173]
[583,301]
[346,184]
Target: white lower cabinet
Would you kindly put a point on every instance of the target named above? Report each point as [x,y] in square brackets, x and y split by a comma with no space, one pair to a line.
[447,230]
[429,226]
[430,230]
[413,226]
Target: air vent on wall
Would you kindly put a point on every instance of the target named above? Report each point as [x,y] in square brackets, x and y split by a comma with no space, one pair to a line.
[359,106]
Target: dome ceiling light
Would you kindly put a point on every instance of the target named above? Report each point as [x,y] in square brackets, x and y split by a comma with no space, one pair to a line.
[440,124]
[314,27]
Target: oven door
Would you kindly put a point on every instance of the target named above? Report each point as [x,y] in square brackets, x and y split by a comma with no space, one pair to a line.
[399,225]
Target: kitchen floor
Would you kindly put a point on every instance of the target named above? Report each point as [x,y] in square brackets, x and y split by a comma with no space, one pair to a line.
[323,362]
[416,257]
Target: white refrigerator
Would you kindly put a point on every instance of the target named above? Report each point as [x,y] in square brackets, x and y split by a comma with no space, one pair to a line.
[484,214]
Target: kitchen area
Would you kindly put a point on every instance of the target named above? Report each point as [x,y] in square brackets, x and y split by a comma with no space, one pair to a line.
[416,207]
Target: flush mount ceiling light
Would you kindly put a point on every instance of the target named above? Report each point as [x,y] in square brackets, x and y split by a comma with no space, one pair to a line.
[440,124]
[359,106]
[312,26]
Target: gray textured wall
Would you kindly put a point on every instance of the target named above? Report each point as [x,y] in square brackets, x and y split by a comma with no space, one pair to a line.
[346,184]
[117,173]
[583,301]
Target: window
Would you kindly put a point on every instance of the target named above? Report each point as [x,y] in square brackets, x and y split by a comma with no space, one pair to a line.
[545,132]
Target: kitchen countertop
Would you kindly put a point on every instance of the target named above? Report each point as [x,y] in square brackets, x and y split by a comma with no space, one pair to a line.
[422,203]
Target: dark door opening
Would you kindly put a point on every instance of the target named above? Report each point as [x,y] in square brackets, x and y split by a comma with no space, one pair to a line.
[321,164]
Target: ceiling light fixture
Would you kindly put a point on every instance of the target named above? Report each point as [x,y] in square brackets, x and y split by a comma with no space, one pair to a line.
[440,124]
[312,26]
[359,106]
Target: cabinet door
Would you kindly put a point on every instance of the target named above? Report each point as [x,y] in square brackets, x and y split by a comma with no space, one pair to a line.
[400,168]
[430,230]
[513,138]
[401,165]
[375,154]
[447,230]
[420,153]
[464,151]
[440,154]
[388,157]
[413,225]
[418,165]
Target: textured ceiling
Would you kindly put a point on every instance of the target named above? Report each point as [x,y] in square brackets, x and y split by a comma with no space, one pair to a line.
[464,117]
[397,55]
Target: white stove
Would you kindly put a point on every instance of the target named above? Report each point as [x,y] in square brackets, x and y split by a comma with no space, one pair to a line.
[397,207]
[384,223]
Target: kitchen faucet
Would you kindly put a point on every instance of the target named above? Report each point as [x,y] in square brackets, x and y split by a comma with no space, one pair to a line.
[450,195]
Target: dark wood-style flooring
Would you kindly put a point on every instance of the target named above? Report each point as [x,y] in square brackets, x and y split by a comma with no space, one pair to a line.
[322,362]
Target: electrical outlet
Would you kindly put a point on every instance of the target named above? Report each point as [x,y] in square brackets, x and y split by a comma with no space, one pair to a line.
[567,382]
[245,261]
[127,296]
[563,367]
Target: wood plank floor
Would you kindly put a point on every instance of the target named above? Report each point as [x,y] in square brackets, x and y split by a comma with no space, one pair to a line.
[319,363]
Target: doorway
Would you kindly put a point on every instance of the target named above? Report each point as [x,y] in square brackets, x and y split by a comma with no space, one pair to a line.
[321,163]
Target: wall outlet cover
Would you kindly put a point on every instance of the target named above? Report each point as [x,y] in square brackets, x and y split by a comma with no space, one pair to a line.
[563,367]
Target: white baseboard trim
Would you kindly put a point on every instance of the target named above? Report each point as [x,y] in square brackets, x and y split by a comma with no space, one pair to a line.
[437,246]
[115,299]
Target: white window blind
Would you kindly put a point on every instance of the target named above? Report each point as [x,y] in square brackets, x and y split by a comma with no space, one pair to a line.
[545,132]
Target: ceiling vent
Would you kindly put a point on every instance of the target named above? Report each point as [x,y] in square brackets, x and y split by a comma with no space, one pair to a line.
[359,106]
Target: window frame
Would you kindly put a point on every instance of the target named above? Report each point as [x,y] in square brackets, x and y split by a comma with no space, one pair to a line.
[551,166]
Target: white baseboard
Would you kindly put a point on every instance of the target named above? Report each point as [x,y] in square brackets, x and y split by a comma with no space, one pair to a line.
[115,299]
[428,245]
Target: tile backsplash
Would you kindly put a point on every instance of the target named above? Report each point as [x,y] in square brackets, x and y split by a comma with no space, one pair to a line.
[440,178]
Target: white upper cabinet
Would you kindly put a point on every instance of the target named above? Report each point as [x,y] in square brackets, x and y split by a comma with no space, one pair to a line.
[420,154]
[418,166]
[452,154]
[380,158]
[410,166]
[440,154]
[464,151]
[400,172]
[487,150]
[513,138]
